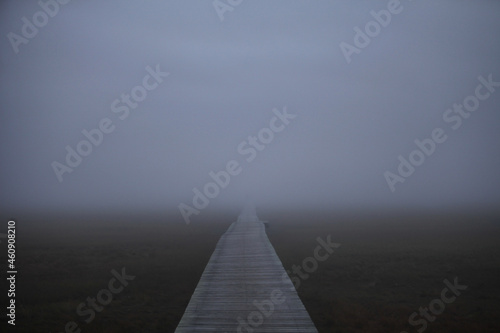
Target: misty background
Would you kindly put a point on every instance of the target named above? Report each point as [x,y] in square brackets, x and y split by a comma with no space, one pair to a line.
[352,120]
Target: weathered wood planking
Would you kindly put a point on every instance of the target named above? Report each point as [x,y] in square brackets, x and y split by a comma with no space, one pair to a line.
[244,269]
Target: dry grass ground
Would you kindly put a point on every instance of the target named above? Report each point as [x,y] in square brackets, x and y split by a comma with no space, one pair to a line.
[388,267]
[385,269]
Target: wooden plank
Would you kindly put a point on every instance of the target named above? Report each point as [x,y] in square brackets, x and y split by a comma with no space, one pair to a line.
[243,274]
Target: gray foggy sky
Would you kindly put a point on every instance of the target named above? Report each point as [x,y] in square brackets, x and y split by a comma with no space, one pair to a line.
[352,120]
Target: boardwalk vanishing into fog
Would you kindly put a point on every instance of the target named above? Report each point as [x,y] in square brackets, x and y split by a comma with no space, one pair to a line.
[244,287]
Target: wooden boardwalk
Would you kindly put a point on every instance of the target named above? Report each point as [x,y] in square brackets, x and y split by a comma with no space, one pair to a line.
[244,287]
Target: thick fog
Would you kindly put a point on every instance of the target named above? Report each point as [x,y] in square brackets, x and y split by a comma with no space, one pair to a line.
[301,103]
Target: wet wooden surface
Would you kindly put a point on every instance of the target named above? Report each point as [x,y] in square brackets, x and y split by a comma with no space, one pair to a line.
[244,287]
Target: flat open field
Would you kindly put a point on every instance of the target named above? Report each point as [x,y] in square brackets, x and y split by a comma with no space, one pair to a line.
[386,268]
